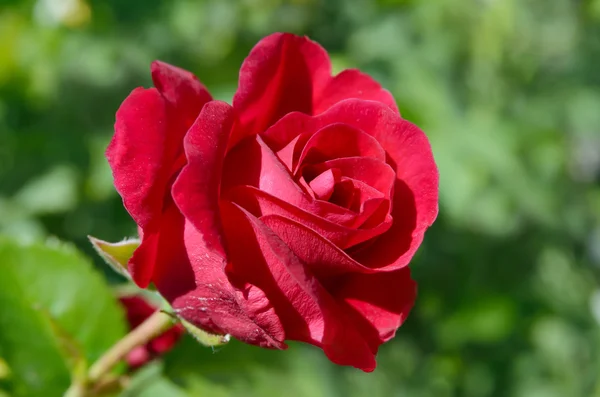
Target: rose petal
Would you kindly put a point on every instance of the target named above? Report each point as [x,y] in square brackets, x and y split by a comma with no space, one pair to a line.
[302,182]
[343,194]
[372,172]
[181,89]
[278,77]
[253,163]
[141,133]
[286,154]
[351,83]
[293,129]
[324,183]
[308,312]
[150,125]
[242,167]
[192,278]
[362,193]
[380,302]
[337,141]
[261,203]
[285,73]
[191,257]
[313,248]
[415,199]
[196,190]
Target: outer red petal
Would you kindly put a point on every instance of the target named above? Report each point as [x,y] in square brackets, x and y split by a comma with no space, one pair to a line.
[352,83]
[308,312]
[196,190]
[191,277]
[195,283]
[140,130]
[181,89]
[285,73]
[144,152]
[379,302]
[137,158]
[279,76]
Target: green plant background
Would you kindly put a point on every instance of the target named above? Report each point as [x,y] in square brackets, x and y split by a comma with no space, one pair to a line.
[508,92]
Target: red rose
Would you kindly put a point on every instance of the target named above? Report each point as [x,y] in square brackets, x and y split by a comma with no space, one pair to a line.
[138,310]
[290,216]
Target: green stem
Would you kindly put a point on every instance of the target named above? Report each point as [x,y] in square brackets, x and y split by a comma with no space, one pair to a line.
[153,326]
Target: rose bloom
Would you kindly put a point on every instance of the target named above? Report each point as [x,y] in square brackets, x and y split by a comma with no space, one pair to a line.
[291,215]
[137,310]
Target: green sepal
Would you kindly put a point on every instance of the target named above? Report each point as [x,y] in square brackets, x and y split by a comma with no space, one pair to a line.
[116,255]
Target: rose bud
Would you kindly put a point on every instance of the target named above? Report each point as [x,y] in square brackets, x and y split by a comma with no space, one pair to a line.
[291,215]
[137,311]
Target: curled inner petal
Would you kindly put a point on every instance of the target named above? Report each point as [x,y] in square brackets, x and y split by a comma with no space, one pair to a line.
[337,141]
[324,184]
[262,204]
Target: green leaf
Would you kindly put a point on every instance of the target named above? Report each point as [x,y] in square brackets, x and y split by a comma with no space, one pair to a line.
[57,316]
[149,382]
[4,369]
[116,254]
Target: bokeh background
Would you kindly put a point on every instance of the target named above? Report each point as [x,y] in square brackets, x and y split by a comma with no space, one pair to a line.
[508,92]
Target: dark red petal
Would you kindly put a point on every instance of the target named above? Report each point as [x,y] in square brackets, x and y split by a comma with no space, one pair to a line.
[196,190]
[352,83]
[287,153]
[311,246]
[290,127]
[372,172]
[308,312]
[302,182]
[181,89]
[253,163]
[379,302]
[343,194]
[137,157]
[192,278]
[195,281]
[338,141]
[140,133]
[363,193]
[324,183]
[280,75]
[415,199]
[144,151]
[261,203]
[285,73]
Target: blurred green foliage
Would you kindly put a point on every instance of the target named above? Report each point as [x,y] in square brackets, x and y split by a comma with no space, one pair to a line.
[508,92]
